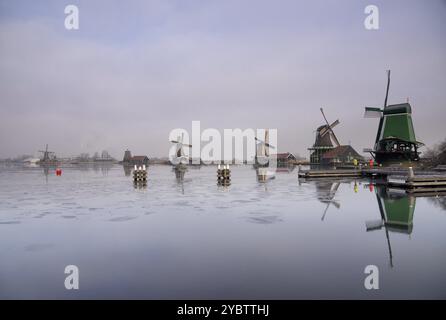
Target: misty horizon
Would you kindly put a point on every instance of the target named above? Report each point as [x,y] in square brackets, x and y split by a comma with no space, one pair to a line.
[135,71]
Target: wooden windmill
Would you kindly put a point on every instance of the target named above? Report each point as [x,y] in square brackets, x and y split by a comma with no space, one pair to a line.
[47,155]
[325,140]
[263,150]
[180,156]
[395,140]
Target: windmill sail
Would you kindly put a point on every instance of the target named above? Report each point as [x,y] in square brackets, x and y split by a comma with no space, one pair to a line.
[180,154]
[373,112]
[333,136]
[263,149]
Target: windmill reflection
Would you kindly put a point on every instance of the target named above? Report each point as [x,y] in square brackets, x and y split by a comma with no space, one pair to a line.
[127,170]
[46,172]
[48,169]
[439,201]
[326,192]
[264,164]
[285,168]
[396,209]
[180,172]
[103,168]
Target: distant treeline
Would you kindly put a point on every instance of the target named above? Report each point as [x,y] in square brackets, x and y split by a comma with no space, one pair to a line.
[437,155]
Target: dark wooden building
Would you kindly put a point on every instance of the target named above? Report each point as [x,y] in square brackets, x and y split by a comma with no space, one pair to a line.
[285,158]
[134,160]
[340,155]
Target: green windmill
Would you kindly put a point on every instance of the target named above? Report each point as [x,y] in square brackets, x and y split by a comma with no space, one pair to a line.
[395,139]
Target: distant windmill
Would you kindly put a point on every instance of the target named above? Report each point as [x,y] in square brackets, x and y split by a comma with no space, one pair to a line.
[325,140]
[180,155]
[262,149]
[46,155]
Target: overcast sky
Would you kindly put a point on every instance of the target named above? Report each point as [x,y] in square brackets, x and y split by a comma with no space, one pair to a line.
[135,70]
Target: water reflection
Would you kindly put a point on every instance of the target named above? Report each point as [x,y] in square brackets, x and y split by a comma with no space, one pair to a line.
[439,200]
[46,172]
[275,234]
[140,185]
[127,170]
[104,168]
[396,209]
[285,168]
[180,172]
[325,192]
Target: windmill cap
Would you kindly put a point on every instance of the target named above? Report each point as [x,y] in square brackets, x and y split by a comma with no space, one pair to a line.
[398,108]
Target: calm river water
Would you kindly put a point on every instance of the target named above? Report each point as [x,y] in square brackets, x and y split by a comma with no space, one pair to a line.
[191,239]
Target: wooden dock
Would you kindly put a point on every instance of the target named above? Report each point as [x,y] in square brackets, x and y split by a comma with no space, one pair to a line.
[404,178]
[332,173]
[383,172]
[419,183]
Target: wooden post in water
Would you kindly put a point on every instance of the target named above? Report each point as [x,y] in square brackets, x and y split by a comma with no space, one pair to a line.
[223,175]
[411,174]
[140,175]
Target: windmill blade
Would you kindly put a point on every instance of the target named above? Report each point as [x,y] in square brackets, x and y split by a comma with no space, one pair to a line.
[336,204]
[334,136]
[374,225]
[259,141]
[326,129]
[174,141]
[387,90]
[325,212]
[334,124]
[372,112]
[269,145]
[187,145]
[335,187]
[179,150]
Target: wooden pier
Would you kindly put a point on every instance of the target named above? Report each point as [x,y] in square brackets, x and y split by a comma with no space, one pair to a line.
[419,183]
[406,178]
[331,173]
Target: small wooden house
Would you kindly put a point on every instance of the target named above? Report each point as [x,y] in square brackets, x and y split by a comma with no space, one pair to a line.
[134,160]
[285,158]
[340,155]
[139,160]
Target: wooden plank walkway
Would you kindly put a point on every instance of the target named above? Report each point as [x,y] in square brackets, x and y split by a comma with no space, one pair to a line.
[421,181]
[329,173]
[418,181]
